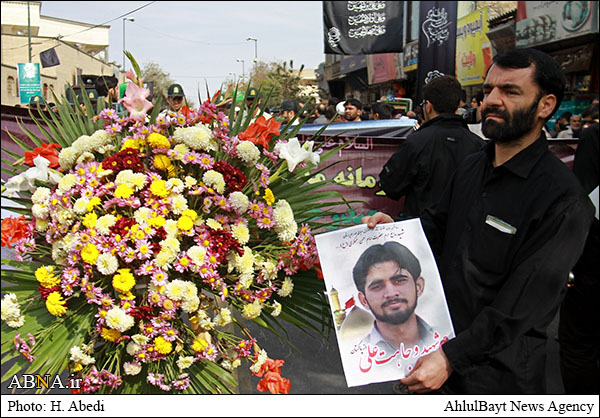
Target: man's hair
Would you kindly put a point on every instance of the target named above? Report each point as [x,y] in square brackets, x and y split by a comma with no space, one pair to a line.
[383,109]
[548,74]
[591,110]
[354,102]
[104,83]
[378,253]
[330,112]
[321,108]
[443,93]
[566,116]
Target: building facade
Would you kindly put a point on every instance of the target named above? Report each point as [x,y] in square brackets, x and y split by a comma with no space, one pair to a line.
[81,49]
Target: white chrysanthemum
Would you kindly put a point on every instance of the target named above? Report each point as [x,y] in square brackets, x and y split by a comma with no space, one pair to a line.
[164,259]
[245,262]
[181,150]
[285,225]
[67,182]
[142,215]
[286,288]
[213,224]
[239,201]
[170,244]
[252,310]
[276,309]
[190,182]
[197,254]
[246,280]
[82,144]
[189,305]
[248,153]
[85,157]
[78,356]
[197,137]
[117,318]
[189,290]
[175,185]
[215,180]
[231,365]
[269,270]
[80,205]
[260,360]
[175,289]
[67,157]
[183,362]
[41,225]
[132,348]
[171,228]
[223,317]
[11,312]
[104,223]
[101,138]
[132,368]
[140,339]
[64,217]
[241,233]
[107,264]
[40,211]
[41,195]
[206,324]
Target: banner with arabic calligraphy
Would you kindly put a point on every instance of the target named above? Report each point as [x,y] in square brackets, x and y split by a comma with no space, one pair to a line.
[473,49]
[437,41]
[362,27]
[380,338]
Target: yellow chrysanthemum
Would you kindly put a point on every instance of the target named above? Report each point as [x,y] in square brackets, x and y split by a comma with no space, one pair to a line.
[185,223]
[56,304]
[123,191]
[158,188]
[89,220]
[190,213]
[199,345]
[110,334]
[162,162]
[269,197]
[156,140]
[45,276]
[94,201]
[90,253]
[162,346]
[123,281]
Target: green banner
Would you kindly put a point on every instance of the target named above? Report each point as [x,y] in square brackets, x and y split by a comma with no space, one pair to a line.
[30,83]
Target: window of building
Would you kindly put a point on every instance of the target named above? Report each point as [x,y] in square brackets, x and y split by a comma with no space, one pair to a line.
[10,85]
[412,21]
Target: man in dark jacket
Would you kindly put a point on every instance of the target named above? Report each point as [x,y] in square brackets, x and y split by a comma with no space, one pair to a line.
[506,232]
[422,165]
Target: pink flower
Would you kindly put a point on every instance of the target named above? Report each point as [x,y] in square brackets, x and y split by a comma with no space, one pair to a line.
[135,102]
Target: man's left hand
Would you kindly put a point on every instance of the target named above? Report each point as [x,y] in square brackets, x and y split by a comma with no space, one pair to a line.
[429,374]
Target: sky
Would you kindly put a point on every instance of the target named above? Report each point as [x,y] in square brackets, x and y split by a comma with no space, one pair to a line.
[199,42]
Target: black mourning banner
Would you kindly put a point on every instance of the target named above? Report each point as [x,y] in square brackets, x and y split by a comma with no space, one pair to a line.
[437,41]
[48,58]
[362,27]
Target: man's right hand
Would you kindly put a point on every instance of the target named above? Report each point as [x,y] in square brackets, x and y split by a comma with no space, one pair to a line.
[378,218]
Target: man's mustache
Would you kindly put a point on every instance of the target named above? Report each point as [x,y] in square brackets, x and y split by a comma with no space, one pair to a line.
[495,111]
[395,300]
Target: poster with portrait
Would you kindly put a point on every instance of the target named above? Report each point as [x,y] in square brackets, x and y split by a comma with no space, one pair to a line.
[386,298]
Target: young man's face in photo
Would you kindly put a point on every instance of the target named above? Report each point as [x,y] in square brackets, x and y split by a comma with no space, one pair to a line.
[391,292]
[176,103]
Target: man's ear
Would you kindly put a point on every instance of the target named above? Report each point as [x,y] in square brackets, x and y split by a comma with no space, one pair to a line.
[363,300]
[546,106]
[420,283]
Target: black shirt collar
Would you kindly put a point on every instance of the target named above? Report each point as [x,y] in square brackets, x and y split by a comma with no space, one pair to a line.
[522,163]
[446,117]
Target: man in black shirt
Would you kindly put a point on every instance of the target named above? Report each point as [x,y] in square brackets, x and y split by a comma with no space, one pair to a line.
[506,232]
[423,165]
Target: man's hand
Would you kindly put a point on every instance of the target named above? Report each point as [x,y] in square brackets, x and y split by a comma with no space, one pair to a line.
[378,218]
[429,374]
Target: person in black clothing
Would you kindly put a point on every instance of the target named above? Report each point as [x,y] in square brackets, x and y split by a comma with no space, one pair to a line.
[506,232]
[578,336]
[423,164]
